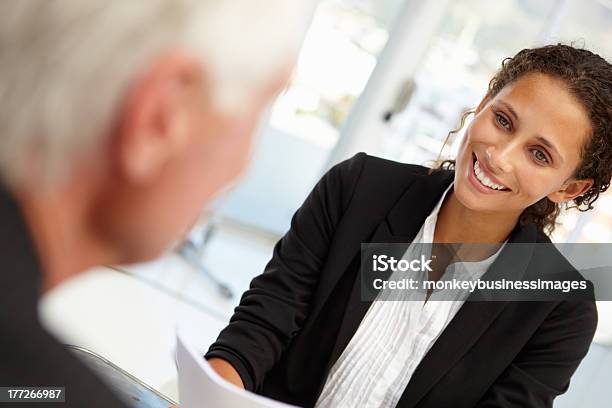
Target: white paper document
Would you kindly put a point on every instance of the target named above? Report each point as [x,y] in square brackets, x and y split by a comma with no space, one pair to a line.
[201,387]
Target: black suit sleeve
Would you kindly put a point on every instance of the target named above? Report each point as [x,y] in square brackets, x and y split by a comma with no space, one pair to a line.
[543,369]
[274,308]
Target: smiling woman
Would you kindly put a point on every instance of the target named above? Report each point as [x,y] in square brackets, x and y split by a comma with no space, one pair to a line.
[303,333]
[542,133]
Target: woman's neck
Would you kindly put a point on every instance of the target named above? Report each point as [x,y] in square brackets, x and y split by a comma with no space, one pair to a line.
[459,224]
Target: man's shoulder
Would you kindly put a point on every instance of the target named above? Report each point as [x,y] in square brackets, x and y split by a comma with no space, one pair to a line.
[32,357]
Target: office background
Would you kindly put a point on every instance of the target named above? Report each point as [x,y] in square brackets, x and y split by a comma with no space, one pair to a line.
[389,77]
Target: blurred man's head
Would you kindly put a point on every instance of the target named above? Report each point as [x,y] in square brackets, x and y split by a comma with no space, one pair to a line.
[120,120]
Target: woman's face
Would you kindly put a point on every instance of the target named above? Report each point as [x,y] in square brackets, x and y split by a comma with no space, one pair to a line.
[523,144]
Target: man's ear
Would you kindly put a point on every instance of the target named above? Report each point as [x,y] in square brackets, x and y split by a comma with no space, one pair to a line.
[570,190]
[154,124]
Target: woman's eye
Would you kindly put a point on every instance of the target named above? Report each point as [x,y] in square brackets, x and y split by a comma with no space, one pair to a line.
[503,122]
[539,156]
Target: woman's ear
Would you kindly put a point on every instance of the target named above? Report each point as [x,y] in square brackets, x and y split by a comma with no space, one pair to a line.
[570,190]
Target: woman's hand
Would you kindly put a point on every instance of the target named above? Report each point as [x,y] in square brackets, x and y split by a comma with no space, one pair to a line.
[227,371]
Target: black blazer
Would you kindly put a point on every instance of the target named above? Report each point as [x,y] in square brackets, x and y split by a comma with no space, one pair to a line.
[29,356]
[299,315]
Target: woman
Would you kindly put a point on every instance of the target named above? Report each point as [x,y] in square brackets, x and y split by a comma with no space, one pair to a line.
[540,137]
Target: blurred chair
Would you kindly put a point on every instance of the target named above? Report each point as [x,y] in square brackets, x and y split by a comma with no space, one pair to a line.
[193,247]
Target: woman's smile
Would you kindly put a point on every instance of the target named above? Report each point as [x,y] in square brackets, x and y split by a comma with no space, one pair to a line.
[482,180]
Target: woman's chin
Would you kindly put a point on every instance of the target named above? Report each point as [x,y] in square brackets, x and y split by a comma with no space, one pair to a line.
[470,199]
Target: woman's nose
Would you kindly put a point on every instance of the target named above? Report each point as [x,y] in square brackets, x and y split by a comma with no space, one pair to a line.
[499,159]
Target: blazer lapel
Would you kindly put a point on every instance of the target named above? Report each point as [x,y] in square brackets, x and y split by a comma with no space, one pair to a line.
[401,225]
[414,200]
[408,214]
[471,321]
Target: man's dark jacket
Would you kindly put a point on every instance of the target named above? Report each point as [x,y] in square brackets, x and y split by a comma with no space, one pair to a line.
[299,315]
[29,355]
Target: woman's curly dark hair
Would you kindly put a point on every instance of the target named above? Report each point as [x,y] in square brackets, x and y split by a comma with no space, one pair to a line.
[589,78]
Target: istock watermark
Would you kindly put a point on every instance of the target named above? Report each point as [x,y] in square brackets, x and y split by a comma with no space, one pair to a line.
[486,272]
[383,263]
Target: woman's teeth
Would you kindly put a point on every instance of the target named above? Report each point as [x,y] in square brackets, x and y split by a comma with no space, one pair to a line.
[485,180]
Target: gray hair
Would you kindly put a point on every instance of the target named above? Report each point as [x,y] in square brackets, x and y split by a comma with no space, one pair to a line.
[65,65]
